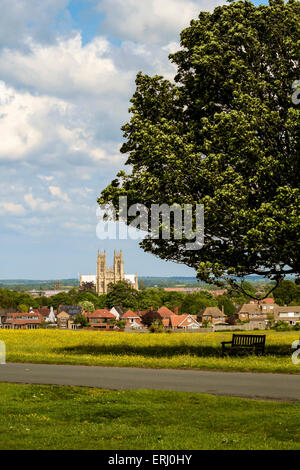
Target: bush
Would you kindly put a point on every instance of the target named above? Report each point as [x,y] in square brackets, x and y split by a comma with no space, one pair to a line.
[156,327]
[281,326]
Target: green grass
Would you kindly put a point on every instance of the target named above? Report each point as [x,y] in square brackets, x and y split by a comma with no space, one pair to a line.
[181,350]
[56,417]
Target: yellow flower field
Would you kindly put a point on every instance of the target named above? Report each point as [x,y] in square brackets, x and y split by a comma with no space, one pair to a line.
[181,350]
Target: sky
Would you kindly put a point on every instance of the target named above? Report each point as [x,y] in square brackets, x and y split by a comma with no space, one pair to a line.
[67,71]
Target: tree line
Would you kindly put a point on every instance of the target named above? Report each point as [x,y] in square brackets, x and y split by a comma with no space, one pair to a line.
[121,294]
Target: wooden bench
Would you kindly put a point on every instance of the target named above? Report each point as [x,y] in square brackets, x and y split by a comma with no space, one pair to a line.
[245,342]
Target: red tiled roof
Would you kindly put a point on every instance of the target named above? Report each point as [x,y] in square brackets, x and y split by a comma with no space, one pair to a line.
[166,321]
[18,320]
[24,322]
[267,300]
[178,319]
[130,314]
[101,313]
[136,320]
[165,312]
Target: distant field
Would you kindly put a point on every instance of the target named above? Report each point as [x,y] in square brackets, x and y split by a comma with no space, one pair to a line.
[53,417]
[181,350]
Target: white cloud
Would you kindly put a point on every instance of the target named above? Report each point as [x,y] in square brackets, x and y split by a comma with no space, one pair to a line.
[62,103]
[11,208]
[46,178]
[24,121]
[66,69]
[151,21]
[57,192]
[38,204]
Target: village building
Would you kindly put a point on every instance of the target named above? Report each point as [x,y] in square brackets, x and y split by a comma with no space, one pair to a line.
[16,321]
[101,319]
[256,312]
[289,314]
[133,320]
[63,319]
[185,322]
[165,312]
[117,312]
[71,310]
[213,315]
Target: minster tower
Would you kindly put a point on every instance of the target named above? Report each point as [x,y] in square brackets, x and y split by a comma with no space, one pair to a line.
[105,275]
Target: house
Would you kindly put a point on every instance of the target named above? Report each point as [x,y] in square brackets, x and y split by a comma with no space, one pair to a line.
[44,311]
[63,320]
[117,312]
[149,316]
[185,321]
[213,315]
[255,312]
[165,312]
[133,320]
[288,314]
[101,319]
[18,321]
[71,310]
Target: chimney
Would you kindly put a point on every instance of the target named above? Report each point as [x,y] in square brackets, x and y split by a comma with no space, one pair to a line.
[223,309]
[176,310]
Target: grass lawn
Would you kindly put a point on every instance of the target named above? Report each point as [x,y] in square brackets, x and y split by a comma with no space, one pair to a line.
[56,417]
[175,350]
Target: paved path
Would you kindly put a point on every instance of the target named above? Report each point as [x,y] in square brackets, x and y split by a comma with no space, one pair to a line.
[270,386]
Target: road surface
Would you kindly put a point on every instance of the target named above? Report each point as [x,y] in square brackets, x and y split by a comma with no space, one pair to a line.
[241,384]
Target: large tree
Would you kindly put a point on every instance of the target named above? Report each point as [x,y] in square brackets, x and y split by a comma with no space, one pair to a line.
[225,134]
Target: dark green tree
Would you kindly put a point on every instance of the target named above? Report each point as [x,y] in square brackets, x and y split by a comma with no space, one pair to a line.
[81,320]
[226,134]
[123,295]
[224,301]
[286,293]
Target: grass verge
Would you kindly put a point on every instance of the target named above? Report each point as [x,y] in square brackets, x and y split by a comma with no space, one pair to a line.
[55,417]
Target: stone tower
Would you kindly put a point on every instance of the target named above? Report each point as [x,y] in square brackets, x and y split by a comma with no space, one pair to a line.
[105,275]
[101,285]
[118,267]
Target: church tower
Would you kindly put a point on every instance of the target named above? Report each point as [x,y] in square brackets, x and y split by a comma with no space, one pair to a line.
[110,275]
[101,281]
[118,267]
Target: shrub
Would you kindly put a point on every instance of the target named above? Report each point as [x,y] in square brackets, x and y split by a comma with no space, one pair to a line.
[156,327]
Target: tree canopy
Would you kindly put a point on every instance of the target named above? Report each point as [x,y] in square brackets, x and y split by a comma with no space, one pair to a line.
[225,134]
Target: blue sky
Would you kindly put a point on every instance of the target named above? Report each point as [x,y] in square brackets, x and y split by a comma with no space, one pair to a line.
[66,77]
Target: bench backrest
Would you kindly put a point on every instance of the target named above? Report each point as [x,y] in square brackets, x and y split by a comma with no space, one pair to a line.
[248,340]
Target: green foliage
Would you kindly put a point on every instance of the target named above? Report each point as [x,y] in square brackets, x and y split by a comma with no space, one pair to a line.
[224,301]
[194,303]
[226,135]
[81,320]
[87,306]
[156,327]
[120,324]
[60,299]
[281,325]
[23,308]
[123,295]
[206,324]
[288,292]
